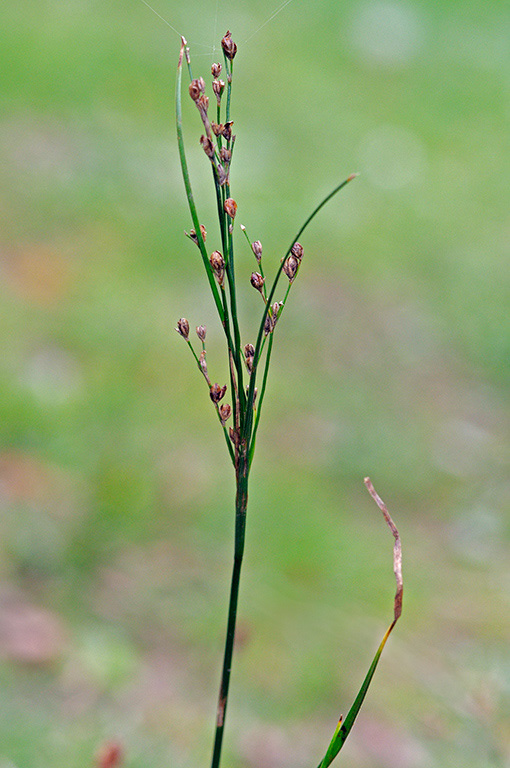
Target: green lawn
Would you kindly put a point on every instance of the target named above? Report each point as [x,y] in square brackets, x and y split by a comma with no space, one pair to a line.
[392,359]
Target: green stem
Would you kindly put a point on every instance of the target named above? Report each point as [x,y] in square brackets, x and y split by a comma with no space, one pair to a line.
[240,527]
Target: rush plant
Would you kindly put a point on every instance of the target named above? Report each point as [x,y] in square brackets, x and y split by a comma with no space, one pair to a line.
[248,363]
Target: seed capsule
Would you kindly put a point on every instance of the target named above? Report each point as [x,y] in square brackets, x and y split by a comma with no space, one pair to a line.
[207,146]
[229,47]
[297,251]
[201,331]
[197,88]
[225,411]
[230,207]
[183,328]
[216,70]
[257,249]
[217,263]
[257,281]
[217,393]
[290,267]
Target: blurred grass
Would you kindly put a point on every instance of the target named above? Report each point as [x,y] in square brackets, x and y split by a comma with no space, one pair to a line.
[392,360]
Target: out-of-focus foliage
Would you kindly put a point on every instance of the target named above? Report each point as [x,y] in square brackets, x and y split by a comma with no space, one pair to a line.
[392,359]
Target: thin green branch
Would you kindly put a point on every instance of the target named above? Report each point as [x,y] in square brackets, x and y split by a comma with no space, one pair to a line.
[249,421]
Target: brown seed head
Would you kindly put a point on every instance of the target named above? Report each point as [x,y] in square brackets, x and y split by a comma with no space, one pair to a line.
[227,130]
[257,249]
[217,263]
[225,411]
[290,267]
[257,281]
[193,235]
[297,251]
[217,129]
[207,146]
[225,155]
[216,70]
[203,105]
[249,352]
[218,87]
[217,393]
[229,47]
[201,331]
[203,366]
[183,328]
[196,88]
[230,207]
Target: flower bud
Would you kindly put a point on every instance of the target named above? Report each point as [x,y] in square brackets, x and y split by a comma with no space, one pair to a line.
[297,251]
[249,352]
[225,155]
[193,235]
[229,47]
[217,129]
[227,130]
[196,88]
[216,70]
[230,207]
[207,146]
[183,328]
[217,393]
[217,263]
[257,281]
[201,331]
[203,366]
[225,410]
[218,87]
[257,249]
[290,267]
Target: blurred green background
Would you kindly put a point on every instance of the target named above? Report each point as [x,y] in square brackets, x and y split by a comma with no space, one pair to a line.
[392,360]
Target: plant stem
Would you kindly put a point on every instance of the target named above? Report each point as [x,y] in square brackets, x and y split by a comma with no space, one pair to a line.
[242,471]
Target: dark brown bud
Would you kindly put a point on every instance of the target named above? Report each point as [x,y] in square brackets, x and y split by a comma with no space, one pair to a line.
[229,47]
[257,249]
[203,105]
[217,393]
[217,129]
[218,87]
[297,251]
[225,155]
[257,281]
[203,366]
[225,411]
[193,235]
[230,207]
[222,175]
[290,267]
[207,146]
[201,331]
[216,70]
[249,352]
[183,328]
[196,88]
[217,263]
[227,130]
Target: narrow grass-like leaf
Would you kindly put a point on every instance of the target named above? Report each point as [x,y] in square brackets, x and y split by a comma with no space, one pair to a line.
[343,728]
